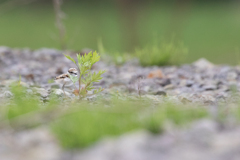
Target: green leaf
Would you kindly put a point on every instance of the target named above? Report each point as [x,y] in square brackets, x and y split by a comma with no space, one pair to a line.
[98,90]
[95,58]
[84,81]
[74,79]
[70,58]
[90,87]
[97,76]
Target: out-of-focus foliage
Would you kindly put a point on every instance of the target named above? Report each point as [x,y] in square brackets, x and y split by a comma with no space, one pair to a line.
[22,104]
[162,54]
[112,57]
[82,123]
[177,114]
[89,124]
[26,109]
[209,30]
[138,1]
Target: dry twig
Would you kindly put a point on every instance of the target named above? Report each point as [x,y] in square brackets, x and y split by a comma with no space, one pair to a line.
[59,15]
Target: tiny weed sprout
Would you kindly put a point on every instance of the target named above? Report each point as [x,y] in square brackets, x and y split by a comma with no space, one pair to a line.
[86,77]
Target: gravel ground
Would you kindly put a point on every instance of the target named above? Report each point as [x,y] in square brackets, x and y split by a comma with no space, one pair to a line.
[200,82]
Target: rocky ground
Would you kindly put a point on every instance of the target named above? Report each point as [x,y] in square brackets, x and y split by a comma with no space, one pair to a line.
[200,82]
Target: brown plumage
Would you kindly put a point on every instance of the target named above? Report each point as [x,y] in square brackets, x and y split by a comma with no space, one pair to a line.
[62,76]
[64,79]
[73,71]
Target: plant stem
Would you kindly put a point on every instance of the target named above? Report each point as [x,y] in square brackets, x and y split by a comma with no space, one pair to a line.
[59,23]
[79,81]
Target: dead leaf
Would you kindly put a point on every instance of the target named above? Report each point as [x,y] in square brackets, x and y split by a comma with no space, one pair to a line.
[30,77]
[156,74]
[76,92]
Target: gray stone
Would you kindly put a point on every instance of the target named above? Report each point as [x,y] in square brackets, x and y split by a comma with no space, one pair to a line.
[41,91]
[169,86]
[161,93]
[189,83]
[7,94]
[163,82]
[4,49]
[209,87]
[58,92]
[8,82]
[231,76]
[203,64]
[91,98]
[29,91]
[37,144]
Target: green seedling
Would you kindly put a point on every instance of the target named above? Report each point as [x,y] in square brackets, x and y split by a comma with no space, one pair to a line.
[84,64]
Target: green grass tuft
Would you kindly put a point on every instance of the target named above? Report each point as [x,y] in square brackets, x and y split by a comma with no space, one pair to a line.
[163,54]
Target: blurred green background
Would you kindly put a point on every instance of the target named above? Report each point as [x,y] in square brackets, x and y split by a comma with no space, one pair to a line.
[208,28]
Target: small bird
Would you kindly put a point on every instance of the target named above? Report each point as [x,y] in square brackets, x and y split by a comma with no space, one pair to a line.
[64,79]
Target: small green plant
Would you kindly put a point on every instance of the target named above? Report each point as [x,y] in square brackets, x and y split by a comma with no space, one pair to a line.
[160,55]
[86,77]
[115,57]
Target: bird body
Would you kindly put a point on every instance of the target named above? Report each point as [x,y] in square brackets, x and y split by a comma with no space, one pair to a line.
[64,79]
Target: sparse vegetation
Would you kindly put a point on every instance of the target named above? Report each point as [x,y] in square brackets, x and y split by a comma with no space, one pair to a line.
[160,55]
[82,124]
[158,104]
